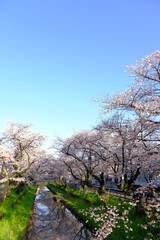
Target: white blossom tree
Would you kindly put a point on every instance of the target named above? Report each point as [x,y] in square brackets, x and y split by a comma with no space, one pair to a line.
[20,148]
[140,104]
[124,153]
[81,157]
[144,94]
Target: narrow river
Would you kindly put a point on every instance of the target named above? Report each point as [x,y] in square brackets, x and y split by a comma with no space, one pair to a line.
[51,221]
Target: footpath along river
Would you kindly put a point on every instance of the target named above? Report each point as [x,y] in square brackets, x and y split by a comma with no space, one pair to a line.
[51,221]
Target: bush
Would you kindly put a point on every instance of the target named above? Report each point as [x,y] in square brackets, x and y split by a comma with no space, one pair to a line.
[93,198]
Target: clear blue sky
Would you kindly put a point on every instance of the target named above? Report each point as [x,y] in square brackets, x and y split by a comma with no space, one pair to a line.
[57,55]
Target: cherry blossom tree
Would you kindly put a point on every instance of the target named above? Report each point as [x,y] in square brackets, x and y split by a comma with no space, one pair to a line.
[124,152]
[141,101]
[20,148]
[140,104]
[42,169]
[144,94]
[80,157]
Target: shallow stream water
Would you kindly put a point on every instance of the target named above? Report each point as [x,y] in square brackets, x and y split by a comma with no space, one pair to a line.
[52,221]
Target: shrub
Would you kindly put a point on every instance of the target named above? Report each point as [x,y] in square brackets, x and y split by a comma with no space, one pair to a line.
[93,198]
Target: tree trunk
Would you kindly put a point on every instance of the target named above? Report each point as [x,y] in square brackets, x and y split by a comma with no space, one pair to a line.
[6,189]
[85,189]
[100,179]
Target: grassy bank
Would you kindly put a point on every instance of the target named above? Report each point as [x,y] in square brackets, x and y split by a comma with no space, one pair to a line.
[111,217]
[76,202]
[15,212]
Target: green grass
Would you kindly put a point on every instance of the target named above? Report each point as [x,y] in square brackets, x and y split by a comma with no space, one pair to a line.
[90,208]
[15,221]
[75,199]
[135,222]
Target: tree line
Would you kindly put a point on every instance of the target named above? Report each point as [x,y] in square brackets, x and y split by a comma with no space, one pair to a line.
[125,144]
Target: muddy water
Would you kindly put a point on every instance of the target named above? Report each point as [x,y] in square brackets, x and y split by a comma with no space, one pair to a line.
[54,222]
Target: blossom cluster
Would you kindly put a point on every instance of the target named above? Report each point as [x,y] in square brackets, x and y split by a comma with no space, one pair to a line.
[110,217]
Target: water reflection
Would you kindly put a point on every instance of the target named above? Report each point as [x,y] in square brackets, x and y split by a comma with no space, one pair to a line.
[54,222]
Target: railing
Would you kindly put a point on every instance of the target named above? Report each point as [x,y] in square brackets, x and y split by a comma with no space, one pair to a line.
[147,200]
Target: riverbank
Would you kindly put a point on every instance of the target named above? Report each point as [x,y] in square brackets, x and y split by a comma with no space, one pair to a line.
[74,200]
[113,217]
[15,211]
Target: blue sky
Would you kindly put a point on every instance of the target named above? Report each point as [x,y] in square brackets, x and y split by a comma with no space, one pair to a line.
[57,55]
